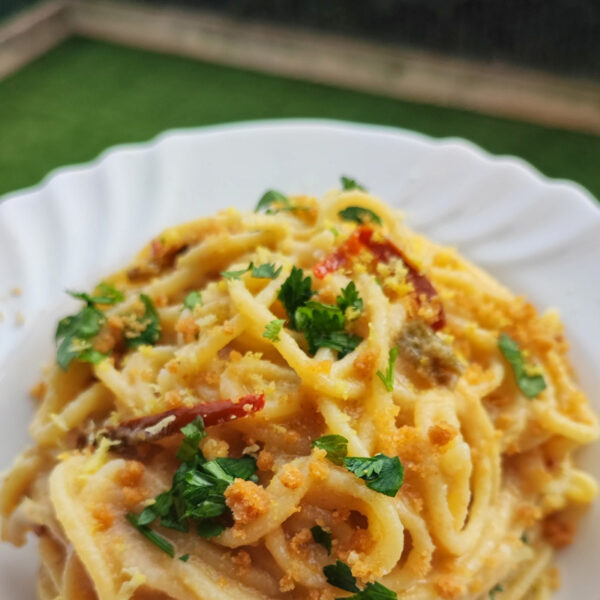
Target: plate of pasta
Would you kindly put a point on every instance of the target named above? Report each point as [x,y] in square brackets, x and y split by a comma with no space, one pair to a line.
[301,360]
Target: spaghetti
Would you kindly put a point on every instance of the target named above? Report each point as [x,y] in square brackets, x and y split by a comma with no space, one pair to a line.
[309,403]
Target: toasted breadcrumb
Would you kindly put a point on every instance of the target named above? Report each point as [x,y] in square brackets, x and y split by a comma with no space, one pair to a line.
[448,587]
[131,474]
[319,470]
[291,477]
[286,583]
[442,434]
[558,531]
[104,517]
[214,448]
[300,540]
[242,560]
[38,391]
[364,364]
[265,461]
[247,501]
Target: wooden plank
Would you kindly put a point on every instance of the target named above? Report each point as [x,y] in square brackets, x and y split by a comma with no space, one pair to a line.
[292,52]
[32,33]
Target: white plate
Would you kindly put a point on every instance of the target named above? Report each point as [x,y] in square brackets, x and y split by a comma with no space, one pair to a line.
[539,237]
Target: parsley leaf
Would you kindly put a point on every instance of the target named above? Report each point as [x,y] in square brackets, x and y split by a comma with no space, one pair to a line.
[322,537]
[294,293]
[530,385]
[351,184]
[74,334]
[151,332]
[155,538]
[374,591]
[237,274]
[192,300]
[388,378]
[184,557]
[197,490]
[381,473]
[323,327]
[358,214]
[209,528]
[110,295]
[495,590]
[193,433]
[335,445]
[273,329]
[340,576]
[266,271]
[271,197]
[350,299]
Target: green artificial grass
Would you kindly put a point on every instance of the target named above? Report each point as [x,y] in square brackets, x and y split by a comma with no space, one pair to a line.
[84,96]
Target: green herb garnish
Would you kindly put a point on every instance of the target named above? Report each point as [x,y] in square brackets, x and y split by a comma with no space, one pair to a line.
[350,299]
[273,329]
[381,473]
[358,214]
[322,537]
[335,445]
[192,300]
[340,576]
[388,377]
[237,274]
[351,184]
[530,385]
[197,493]
[74,333]
[155,538]
[269,198]
[495,590]
[294,293]
[266,271]
[184,557]
[152,329]
[323,326]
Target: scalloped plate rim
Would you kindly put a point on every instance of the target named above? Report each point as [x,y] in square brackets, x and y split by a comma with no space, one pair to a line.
[584,196]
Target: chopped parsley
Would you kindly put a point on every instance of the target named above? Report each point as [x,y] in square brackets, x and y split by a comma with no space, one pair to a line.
[350,299]
[197,493]
[294,293]
[150,333]
[335,445]
[155,538]
[266,271]
[340,576]
[495,590]
[322,324]
[388,377]
[192,300]
[381,473]
[351,184]
[269,198]
[322,537]
[530,384]
[236,274]
[184,557]
[74,333]
[273,329]
[524,538]
[358,214]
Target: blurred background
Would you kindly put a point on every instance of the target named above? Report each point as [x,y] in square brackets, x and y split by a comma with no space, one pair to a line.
[517,77]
